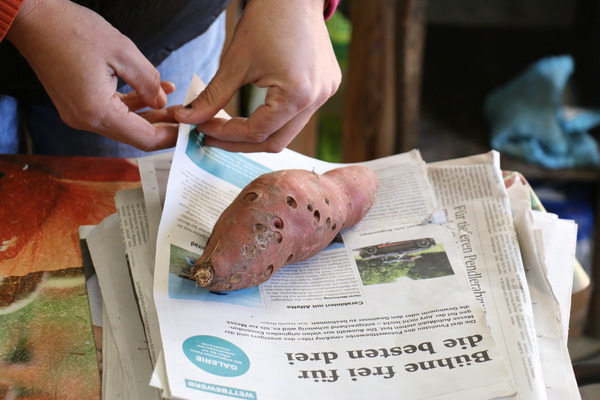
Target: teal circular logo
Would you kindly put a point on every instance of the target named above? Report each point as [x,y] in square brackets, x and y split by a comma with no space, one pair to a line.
[216,356]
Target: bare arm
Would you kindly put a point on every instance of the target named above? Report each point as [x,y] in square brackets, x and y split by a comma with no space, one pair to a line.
[78,57]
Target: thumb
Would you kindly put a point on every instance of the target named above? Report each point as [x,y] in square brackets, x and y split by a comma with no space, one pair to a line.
[210,101]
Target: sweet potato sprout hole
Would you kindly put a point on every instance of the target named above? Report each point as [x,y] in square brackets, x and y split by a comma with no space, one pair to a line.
[278,222]
[291,202]
[250,196]
[269,270]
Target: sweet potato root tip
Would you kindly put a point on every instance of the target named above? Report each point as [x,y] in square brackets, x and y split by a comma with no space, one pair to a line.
[203,274]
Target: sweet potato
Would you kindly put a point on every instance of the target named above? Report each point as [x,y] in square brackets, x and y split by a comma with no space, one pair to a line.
[280,218]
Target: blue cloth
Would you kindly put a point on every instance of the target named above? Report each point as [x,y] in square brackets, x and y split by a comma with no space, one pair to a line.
[9,125]
[51,136]
[528,120]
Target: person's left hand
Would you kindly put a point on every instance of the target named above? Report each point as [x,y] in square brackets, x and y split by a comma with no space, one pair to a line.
[283,46]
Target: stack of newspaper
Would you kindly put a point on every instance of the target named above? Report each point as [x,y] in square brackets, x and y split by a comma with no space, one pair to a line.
[451,287]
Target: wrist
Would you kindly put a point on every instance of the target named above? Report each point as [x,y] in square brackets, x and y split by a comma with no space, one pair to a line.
[9,9]
[21,20]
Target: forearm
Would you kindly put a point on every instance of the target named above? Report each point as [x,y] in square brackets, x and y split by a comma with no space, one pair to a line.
[8,12]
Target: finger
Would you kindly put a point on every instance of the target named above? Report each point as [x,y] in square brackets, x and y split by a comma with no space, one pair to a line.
[135,69]
[145,136]
[168,86]
[160,115]
[273,144]
[134,102]
[130,128]
[211,100]
[279,109]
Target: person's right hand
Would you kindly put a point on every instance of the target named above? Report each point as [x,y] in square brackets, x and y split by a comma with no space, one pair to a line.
[78,57]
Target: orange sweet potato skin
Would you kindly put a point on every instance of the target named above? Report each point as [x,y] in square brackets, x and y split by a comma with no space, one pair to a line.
[281,218]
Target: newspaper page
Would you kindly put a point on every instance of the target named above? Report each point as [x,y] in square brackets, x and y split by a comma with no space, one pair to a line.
[553,277]
[547,245]
[385,308]
[473,195]
[139,253]
[154,174]
[123,319]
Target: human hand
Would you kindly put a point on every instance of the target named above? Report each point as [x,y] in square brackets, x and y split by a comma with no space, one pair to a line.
[285,47]
[78,57]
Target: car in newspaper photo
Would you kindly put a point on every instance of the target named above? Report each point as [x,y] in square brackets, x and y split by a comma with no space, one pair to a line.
[394,262]
[393,248]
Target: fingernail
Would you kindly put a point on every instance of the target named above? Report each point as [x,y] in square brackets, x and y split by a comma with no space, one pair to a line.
[185,110]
